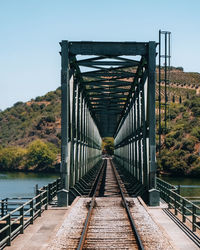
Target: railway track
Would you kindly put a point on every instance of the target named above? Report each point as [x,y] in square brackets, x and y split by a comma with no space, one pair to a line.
[109,223]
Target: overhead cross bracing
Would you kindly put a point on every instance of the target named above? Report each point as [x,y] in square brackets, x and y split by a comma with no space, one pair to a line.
[108,90]
[107,79]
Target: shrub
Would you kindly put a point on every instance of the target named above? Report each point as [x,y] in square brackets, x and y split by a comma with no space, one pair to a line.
[59,135]
[108,145]
[167,162]
[180,168]
[49,96]
[42,106]
[50,118]
[196,132]
[18,104]
[12,157]
[191,158]
[196,111]
[40,154]
[35,107]
[195,170]
[188,144]
[177,146]
[169,142]
[38,98]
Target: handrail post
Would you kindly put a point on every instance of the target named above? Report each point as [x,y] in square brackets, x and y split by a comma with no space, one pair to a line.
[6,206]
[2,208]
[49,192]
[8,220]
[175,203]
[40,205]
[37,207]
[53,186]
[31,212]
[36,189]
[22,219]
[193,218]
[183,210]
[179,189]
[169,198]
[57,185]
[46,199]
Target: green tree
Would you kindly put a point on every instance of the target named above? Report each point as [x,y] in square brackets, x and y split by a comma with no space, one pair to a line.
[40,155]
[12,157]
[108,145]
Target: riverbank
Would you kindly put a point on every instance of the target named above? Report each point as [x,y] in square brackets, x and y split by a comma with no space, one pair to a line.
[51,170]
[177,175]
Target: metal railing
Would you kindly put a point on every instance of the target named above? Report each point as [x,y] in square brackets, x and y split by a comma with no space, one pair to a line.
[189,211]
[14,222]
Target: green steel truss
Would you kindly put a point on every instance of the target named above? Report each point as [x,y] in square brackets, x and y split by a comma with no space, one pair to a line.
[108,89]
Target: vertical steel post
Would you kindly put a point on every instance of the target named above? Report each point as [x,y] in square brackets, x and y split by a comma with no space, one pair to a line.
[165,82]
[144,135]
[77,134]
[138,132]
[65,123]
[154,195]
[73,131]
[151,113]
[81,136]
[64,113]
[159,92]
[135,139]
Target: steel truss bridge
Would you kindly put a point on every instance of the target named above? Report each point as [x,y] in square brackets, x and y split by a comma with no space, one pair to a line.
[108,90]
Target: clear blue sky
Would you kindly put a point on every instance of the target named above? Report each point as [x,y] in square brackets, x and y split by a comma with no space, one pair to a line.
[31,30]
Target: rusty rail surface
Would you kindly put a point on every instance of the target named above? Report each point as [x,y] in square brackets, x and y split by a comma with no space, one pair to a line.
[92,204]
[87,221]
[137,237]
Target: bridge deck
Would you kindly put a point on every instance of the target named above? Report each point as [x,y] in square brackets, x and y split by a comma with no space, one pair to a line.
[38,235]
[58,225]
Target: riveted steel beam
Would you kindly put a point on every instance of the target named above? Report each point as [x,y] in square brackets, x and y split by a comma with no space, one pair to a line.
[107,83]
[109,74]
[108,63]
[106,91]
[108,48]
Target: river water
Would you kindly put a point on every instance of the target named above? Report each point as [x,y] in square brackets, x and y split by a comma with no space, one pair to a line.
[191,190]
[20,184]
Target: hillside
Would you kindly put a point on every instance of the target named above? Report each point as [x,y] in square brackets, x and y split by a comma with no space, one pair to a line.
[25,122]
[36,124]
[30,135]
[180,154]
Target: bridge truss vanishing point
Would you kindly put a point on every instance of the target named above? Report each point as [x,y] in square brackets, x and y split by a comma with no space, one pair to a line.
[108,89]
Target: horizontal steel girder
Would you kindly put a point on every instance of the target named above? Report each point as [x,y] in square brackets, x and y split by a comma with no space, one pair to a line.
[110,96]
[108,63]
[108,83]
[108,48]
[108,74]
[106,91]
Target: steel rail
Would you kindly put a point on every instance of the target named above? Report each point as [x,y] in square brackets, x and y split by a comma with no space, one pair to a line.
[137,237]
[87,221]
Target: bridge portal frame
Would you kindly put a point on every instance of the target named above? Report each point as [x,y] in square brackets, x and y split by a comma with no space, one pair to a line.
[136,147]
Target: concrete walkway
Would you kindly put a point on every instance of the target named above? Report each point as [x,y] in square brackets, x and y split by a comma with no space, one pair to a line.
[38,235]
[179,239]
